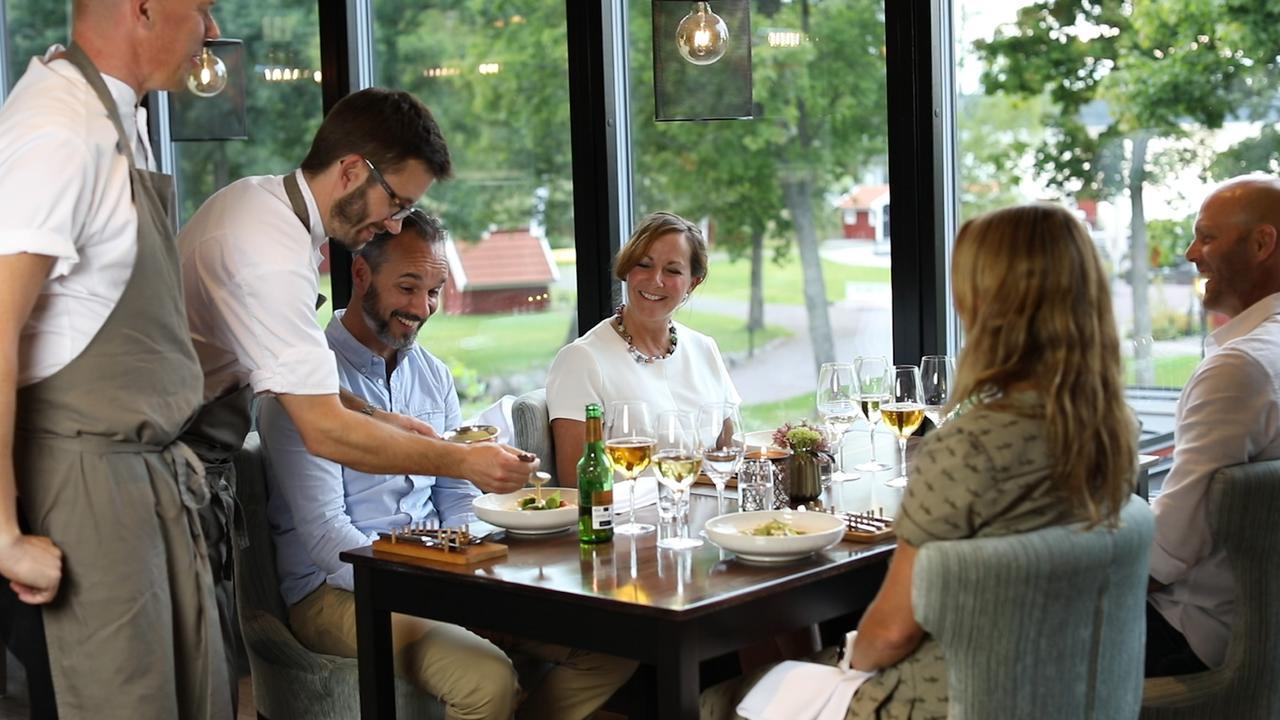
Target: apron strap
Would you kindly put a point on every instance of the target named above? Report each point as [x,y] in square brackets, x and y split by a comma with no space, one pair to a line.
[78,58]
[300,211]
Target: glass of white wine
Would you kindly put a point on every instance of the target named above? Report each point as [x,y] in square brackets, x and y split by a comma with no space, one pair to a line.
[678,459]
[837,403]
[721,438]
[903,414]
[629,443]
[937,375]
[872,374]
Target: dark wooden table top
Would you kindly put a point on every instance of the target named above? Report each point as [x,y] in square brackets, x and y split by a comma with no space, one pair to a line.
[632,574]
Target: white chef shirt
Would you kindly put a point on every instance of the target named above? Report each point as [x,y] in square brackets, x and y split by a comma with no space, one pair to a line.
[64,193]
[249,269]
[597,368]
[1228,413]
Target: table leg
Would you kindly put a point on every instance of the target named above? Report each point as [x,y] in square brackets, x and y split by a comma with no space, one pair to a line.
[374,653]
[677,673]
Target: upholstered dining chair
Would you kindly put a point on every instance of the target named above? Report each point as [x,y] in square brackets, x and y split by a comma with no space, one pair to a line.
[532,429]
[1047,624]
[290,681]
[1244,507]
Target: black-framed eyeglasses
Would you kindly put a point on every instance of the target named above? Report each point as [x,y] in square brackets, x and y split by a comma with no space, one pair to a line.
[403,212]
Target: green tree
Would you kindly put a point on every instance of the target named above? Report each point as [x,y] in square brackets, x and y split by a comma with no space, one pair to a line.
[1158,70]
[820,121]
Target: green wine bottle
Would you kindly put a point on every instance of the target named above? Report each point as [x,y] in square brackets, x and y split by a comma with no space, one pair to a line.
[595,484]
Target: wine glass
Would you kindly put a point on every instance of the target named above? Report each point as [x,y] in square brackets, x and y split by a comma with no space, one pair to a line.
[678,459]
[937,375]
[719,427]
[872,374]
[903,413]
[629,444]
[837,404]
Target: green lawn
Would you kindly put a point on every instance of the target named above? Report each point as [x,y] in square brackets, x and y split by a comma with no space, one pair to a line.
[783,284]
[766,416]
[1171,372]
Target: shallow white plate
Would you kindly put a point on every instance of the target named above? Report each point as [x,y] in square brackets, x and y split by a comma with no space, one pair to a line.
[503,511]
[731,532]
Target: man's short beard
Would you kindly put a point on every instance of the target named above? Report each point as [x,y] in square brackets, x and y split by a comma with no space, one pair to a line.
[351,211]
[382,327]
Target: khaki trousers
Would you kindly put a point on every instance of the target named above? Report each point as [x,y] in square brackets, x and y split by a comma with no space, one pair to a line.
[472,676]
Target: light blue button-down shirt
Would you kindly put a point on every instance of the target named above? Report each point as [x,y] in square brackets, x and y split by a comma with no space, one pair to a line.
[318,508]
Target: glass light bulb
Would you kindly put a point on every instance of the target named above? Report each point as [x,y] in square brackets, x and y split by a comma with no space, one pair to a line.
[209,77]
[702,37]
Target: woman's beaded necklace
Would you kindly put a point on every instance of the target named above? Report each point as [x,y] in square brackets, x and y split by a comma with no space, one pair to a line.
[636,355]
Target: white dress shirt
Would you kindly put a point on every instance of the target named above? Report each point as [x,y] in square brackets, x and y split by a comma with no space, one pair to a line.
[596,368]
[65,193]
[1228,413]
[249,269]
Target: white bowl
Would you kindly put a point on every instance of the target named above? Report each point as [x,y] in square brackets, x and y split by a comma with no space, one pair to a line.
[731,532]
[503,511]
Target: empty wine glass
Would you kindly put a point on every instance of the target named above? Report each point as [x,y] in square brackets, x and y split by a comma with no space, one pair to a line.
[937,375]
[719,427]
[629,444]
[837,403]
[678,459]
[872,374]
[903,413]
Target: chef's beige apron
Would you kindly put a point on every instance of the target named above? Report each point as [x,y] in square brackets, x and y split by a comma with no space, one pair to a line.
[216,435]
[133,632]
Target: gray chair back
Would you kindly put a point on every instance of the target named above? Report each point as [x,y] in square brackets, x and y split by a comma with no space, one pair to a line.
[290,681]
[1244,507]
[532,429]
[1048,624]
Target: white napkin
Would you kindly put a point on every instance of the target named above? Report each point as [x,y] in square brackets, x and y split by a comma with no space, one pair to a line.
[499,416]
[646,493]
[795,690]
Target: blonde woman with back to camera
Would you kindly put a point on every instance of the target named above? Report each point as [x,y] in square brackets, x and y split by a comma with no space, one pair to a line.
[1038,435]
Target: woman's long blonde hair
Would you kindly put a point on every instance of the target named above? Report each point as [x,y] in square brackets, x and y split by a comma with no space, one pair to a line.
[1036,305]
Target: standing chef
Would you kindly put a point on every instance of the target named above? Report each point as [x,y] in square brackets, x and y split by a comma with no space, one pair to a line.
[98,378]
[249,266]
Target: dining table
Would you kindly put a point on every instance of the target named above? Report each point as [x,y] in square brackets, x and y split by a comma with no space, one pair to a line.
[669,610]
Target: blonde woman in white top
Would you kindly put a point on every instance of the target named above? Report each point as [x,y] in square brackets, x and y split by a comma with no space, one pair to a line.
[640,352]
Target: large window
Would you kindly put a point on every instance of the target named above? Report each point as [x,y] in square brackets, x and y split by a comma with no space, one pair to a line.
[795,201]
[282,50]
[1127,113]
[495,76]
[31,26]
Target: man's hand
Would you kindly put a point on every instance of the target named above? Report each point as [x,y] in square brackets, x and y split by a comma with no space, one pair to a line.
[497,468]
[406,423]
[33,565]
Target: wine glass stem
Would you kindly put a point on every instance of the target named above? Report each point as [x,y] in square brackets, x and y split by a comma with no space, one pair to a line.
[631,514]
[902,447]
[873,442]
[720,497]
[682,519]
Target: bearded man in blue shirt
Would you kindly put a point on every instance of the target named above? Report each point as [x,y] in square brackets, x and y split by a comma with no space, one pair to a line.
[318,508]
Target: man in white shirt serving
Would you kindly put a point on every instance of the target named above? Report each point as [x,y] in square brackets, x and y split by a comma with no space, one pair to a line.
[318,508]
[97,379]
[1228,413]
[249,267]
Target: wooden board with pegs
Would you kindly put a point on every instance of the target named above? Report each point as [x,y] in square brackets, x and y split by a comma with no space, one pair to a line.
[866,527]
[444,545]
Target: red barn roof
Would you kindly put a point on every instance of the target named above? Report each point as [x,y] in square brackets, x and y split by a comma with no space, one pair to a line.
[503,259]
[863,198]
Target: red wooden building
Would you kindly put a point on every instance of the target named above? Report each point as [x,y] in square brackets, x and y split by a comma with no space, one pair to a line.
[864,213]
[508,271]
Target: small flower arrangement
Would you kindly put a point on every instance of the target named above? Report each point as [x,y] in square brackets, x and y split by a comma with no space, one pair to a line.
[801,437]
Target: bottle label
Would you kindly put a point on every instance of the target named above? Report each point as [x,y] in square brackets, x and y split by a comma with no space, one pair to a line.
[601,517]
